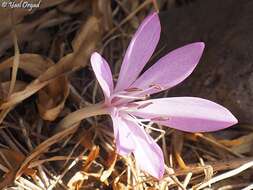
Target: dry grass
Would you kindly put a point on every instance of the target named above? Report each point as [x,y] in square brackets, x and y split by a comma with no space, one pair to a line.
[51,79]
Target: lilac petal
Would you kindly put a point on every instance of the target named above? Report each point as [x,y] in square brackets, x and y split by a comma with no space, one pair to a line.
[171,69]
[123,136]
[139,51]
[148,155]
[103,73]
[186,113]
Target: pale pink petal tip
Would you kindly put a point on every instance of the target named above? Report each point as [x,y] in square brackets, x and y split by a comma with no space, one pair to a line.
[139,51]
[234,120]
[201,45]
[103,73]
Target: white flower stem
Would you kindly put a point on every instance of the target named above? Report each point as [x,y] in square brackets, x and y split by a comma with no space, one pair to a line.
[77,116]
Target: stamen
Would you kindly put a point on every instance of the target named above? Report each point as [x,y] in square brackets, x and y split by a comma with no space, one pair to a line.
[144,105]
[131,97]
[155,129]
[148,126]
[134,89]
[156,86]
[137,120]
[159,119]
[143,120]
[152,86]
[134,93]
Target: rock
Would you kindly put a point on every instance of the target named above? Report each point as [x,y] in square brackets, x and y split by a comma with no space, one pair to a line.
[225,72]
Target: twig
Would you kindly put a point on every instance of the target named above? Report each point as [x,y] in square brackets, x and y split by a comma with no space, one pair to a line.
[226,175]
[217,166]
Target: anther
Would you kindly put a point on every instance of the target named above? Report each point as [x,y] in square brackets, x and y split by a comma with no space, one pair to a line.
[159,119]
[156,86]
[144,105]
[133,89]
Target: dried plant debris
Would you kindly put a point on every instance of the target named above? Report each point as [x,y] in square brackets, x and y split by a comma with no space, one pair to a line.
[45,76]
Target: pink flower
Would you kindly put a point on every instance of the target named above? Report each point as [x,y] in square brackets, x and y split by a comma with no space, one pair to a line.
[127,108]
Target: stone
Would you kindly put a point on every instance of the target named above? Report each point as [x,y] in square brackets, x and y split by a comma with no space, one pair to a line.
[225,72]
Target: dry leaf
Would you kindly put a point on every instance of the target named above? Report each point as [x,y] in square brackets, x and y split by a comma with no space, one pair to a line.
[86,139]
[119,186]
[15,65]
[4,91]
[14,160]
[5,19]
[4,88]
[50,3]
[76,181]
[102,10]
[240,145]
[91,157]
[84,44]
[50,74]
[74,7]
[86,41]
[32,64]
[25,30]
[111,161]
[19,14]
[51,99]
[177,142]
[13,157]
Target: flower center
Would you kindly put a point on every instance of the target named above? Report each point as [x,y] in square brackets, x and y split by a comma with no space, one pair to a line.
[133,93]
